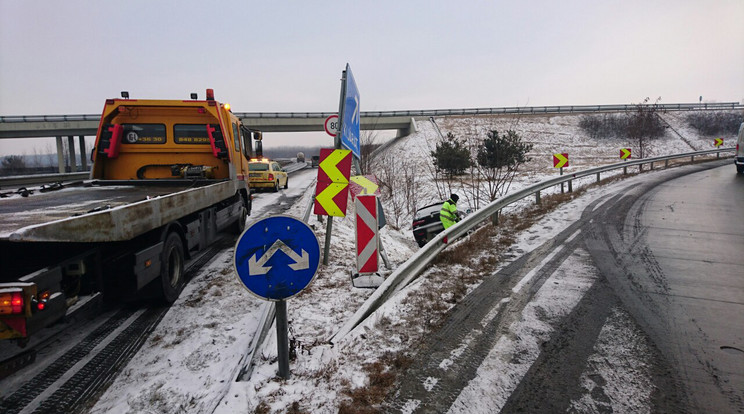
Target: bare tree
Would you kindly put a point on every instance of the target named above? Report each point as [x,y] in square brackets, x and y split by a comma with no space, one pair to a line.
[398,185]
[644,124]
[368,143]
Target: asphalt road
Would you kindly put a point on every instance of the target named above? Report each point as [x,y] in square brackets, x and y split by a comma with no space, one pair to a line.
[694,225]
[668,252]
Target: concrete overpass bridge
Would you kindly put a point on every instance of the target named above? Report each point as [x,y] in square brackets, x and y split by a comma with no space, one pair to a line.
[71,126]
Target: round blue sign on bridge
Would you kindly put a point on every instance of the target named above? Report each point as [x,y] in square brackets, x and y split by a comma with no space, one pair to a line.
[277,257]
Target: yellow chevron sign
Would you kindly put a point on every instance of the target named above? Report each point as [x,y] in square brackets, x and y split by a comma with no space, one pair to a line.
[624,153]
[718,142]
[560,160]
[368,186]
[326,202]
[332,190]
[330,166]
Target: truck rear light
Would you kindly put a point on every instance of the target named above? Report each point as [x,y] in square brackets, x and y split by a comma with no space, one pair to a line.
[38,304]
[271,177]
[11,302]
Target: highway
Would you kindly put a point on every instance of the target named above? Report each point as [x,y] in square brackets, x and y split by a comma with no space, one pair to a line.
[639,307]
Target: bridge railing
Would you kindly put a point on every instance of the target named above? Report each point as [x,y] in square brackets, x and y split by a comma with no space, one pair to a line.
[426,112]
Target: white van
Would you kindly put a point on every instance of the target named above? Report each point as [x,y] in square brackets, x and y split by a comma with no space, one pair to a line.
[739,158]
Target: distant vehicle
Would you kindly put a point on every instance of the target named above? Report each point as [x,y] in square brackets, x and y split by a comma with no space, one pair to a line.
[739,158]
[300,157]
[426,223]
[264,173]
[315,161]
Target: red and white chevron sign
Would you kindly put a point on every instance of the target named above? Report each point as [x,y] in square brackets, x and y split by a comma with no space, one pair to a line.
[366,233]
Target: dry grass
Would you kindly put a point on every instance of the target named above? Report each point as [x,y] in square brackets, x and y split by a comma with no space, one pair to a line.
[382,375]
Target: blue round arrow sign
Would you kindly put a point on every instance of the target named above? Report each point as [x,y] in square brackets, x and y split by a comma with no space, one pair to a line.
[277,257]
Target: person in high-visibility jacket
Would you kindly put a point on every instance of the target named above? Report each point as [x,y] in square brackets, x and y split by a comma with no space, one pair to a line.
[448,213]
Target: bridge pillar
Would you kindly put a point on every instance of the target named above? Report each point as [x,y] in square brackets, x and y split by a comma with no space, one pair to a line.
[83,153]
[60,155]
[71,148]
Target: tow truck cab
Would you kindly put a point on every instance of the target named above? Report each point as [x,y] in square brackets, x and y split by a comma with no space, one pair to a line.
[150,139]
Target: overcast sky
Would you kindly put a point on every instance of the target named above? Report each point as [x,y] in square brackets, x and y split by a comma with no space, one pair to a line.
[66,57]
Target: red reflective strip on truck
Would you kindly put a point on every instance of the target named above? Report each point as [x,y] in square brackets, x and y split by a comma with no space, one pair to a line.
[215,151]
[113,149]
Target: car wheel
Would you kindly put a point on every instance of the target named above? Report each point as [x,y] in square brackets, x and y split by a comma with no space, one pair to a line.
[740,169]
[172,268]
[286,183]
[276,186]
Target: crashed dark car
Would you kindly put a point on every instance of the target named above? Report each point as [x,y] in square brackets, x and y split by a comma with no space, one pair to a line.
[426,223]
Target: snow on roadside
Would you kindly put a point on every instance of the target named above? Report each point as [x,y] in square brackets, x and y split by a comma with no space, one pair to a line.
[190,363]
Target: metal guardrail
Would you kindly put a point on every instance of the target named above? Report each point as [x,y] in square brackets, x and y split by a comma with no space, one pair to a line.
[504,110]
[416,264]
[17,180]
[421,113]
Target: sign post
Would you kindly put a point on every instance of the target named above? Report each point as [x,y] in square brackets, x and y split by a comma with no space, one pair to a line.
[624,155]
[275,259]
[559,161]
[717,143]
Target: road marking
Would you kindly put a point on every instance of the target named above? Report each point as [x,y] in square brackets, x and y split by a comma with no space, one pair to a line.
[526,279]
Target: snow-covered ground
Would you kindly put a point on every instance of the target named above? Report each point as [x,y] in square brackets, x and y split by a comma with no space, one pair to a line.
[190,362]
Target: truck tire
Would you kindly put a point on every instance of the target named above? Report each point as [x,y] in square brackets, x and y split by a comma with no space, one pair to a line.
[172,268]
[276,186]
[239,225]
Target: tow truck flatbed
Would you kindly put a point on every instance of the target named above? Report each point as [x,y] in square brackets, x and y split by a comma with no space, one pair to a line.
[104,211]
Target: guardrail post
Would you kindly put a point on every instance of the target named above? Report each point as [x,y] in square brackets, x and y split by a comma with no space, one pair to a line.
[625,170]
[666,163]
[652,165]
[495,218]
[598,177]
[570,188]
[692,159]
[537,197]
[640,168]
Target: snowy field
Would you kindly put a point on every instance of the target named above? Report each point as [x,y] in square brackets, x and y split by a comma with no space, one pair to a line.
[191,361]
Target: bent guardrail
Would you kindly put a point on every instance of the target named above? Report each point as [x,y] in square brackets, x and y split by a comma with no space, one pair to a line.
[409,270]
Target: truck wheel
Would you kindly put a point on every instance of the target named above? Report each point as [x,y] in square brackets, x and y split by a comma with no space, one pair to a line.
[239,225]
[286,184]
[172,268]
[276,186]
